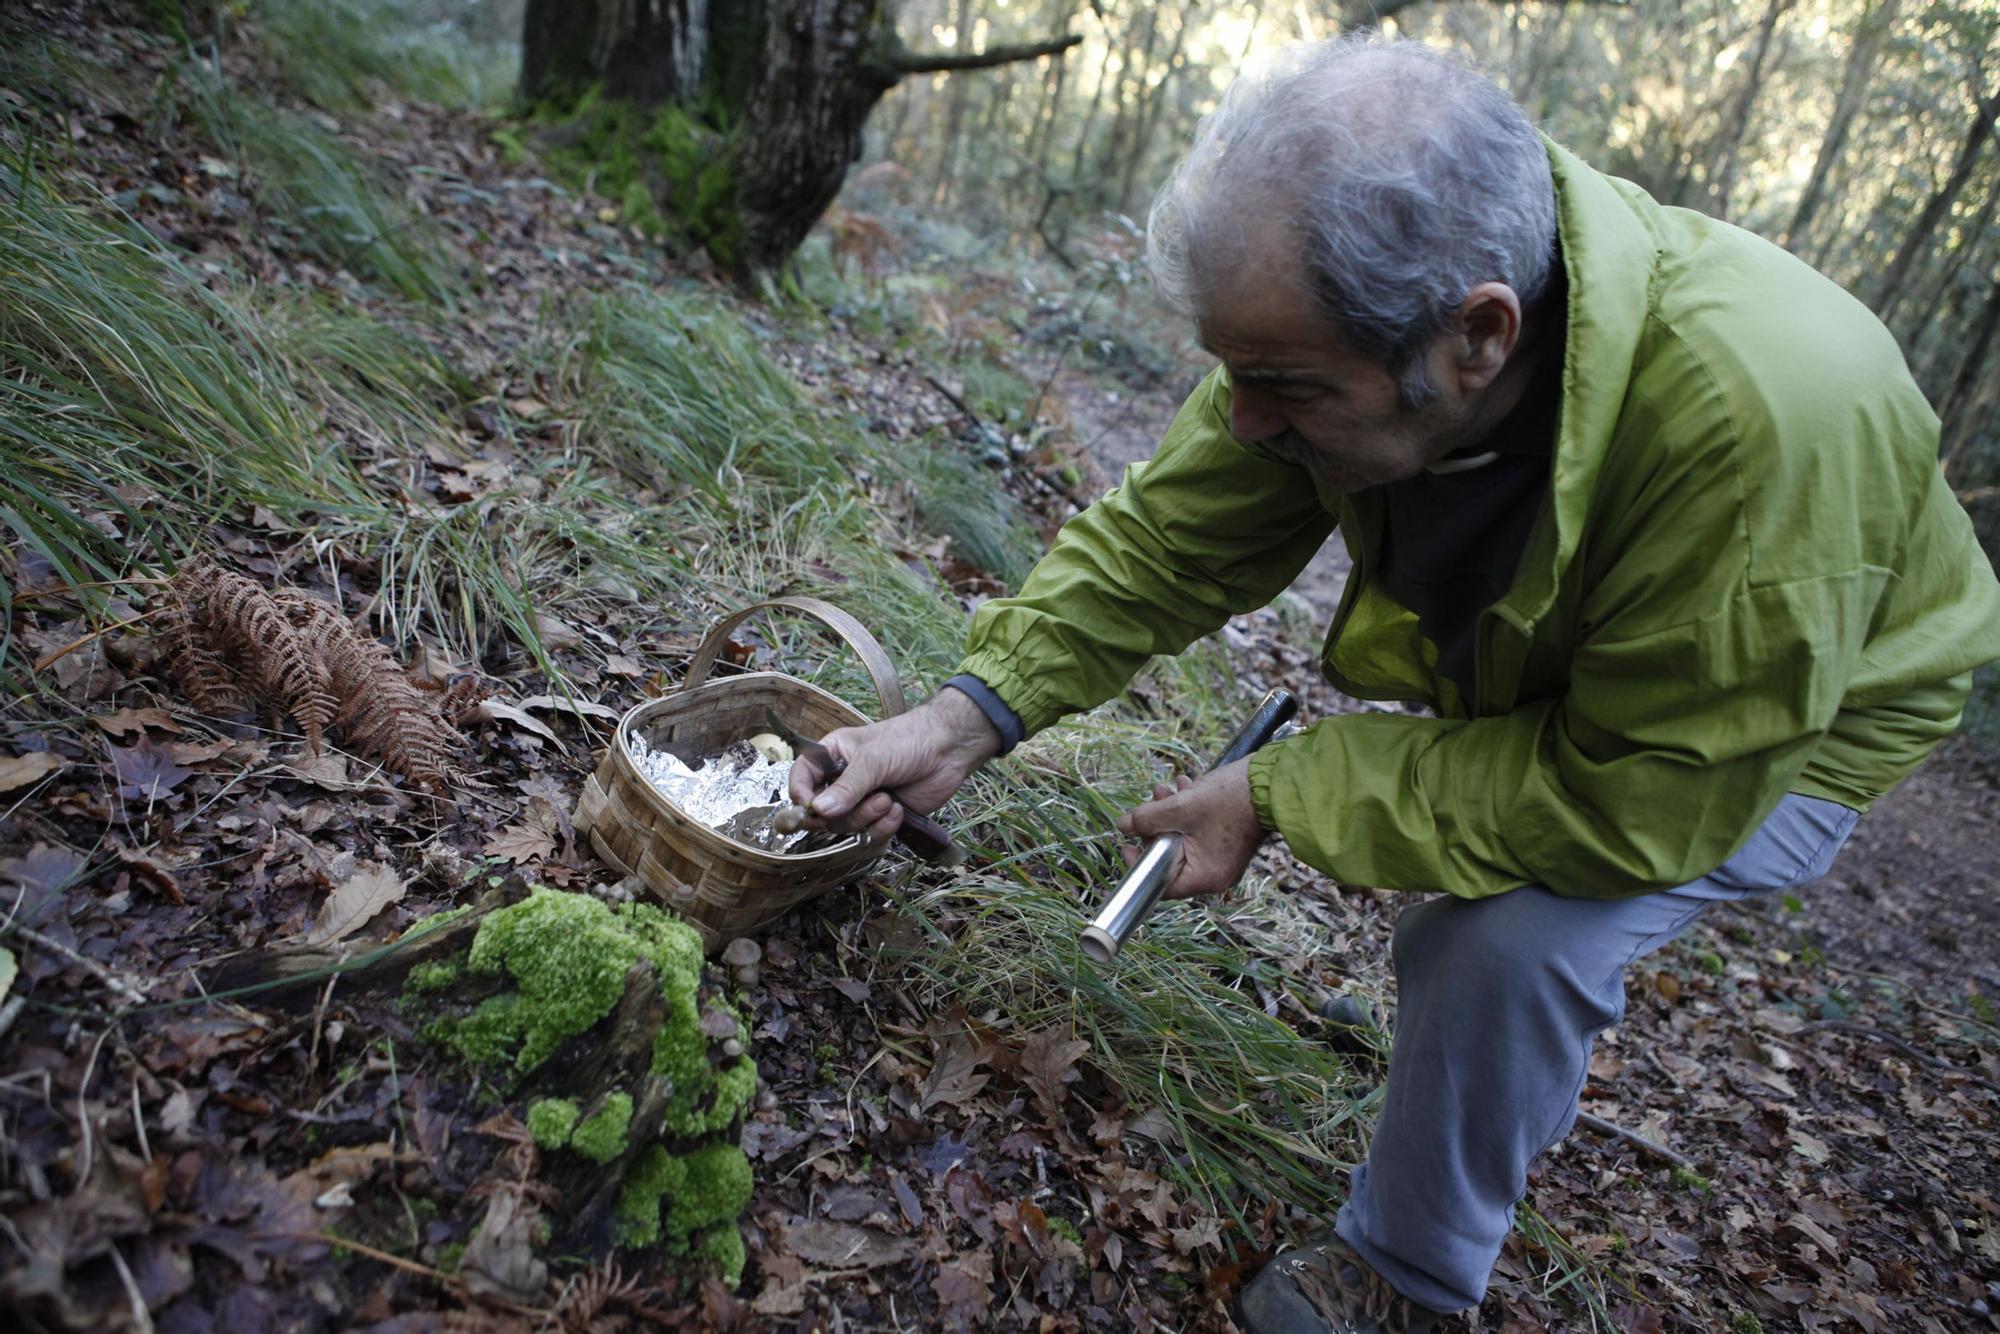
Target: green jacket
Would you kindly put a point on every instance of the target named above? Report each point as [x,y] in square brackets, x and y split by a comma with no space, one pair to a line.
[1749,578]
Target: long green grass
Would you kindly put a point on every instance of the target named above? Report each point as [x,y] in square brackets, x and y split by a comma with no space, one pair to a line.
[344,55]
[307,183]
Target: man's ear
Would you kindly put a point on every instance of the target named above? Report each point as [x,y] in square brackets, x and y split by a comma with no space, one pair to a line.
[1488,330]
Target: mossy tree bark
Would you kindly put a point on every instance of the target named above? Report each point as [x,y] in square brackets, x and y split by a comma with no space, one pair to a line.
[786,85]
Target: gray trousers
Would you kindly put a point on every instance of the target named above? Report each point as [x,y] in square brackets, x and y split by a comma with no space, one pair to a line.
[1498,1001]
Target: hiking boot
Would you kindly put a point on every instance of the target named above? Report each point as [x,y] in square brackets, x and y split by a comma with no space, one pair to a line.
[1359,1026]
[1323,1287]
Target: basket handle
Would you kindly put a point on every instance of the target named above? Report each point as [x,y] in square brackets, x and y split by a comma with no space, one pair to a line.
[888,686]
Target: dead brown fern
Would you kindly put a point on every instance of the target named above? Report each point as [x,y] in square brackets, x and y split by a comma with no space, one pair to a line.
[230,641]
[598,1303]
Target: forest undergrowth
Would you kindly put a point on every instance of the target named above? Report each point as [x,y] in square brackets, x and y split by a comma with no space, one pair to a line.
[316,319]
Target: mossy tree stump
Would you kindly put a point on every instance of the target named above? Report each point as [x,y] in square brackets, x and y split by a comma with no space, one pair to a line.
[604,1034]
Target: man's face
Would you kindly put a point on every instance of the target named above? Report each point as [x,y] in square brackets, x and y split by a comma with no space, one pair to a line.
[1307,400]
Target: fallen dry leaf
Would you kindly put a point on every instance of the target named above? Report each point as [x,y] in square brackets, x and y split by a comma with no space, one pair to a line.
[492,710]
[1047,1061]
[521,844]
[126,721]
[952,1079]
[844,1245]
[368,890]
[21,770]
[583,706]
[500,1258]
[147,771]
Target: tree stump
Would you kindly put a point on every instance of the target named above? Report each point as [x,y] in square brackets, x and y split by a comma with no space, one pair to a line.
[617,1052]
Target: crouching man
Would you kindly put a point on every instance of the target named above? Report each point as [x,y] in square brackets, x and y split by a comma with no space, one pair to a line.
[1643,509]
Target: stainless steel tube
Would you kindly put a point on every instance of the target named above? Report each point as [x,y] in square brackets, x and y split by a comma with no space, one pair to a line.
[1133,899]
[1140,890]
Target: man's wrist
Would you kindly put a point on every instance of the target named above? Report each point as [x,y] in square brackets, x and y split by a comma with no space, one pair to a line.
[1006,724]
[973,735]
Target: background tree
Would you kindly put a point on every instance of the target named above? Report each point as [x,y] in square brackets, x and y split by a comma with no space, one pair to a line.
[741,118]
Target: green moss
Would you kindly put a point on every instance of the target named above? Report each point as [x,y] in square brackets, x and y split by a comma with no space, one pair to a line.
[602,1137]
[690,1203]
[568,955]
[550,1121]
[1065,1229]
[715,1189]
[434,921]
[433,976]
[658,1173]
[1690,1180]
[722,1247]
[488,1035]
[449,1255]
[671,169]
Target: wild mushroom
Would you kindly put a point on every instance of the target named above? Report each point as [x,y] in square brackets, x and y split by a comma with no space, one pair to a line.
[742,955]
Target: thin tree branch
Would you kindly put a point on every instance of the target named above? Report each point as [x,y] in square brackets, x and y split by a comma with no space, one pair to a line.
[937,62]
[1612,1130]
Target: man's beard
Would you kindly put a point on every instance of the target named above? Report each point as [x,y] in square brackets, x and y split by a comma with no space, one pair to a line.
[1293,448]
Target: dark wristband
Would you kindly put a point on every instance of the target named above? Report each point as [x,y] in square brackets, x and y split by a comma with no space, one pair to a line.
[1005,721]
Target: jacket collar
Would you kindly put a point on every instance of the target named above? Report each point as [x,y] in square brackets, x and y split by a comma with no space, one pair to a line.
[1609,254]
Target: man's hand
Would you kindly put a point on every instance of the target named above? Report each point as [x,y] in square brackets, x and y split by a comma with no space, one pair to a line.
[1218,827]
[913,761]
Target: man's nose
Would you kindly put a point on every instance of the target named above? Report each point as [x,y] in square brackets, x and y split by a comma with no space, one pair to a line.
[1254,416]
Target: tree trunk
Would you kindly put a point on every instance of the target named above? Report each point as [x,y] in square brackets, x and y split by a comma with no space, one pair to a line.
[1917,239]
[1960,400]
[648,53]
[1149,116]
[1090,114]
[1738,124]
[1870,36]
[793,82]
[962,16]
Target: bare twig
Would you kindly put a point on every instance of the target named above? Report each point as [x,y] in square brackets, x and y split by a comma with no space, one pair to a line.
[125,991]
[1610,1130]
[956,400]
[43,664]
[1890,1040]
[142,1319]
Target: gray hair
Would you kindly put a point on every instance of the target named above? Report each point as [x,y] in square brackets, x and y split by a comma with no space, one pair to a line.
[1406,178]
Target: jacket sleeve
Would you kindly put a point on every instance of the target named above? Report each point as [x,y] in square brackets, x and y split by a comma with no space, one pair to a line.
[1638,779]
[1204,530]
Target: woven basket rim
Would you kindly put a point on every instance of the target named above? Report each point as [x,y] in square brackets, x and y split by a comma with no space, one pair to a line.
[703,836]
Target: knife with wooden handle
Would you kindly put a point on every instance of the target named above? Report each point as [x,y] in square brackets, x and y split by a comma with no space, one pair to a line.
[919,833]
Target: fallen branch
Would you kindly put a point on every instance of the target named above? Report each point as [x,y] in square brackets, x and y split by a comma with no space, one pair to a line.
[130,994]
[1606,1128]
[956,400]
[1911,1050]
[44,663]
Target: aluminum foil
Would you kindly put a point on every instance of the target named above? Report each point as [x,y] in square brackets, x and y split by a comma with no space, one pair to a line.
[723,787]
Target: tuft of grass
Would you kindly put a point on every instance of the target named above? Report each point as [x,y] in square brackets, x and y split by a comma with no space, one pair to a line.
[342,54]
[313,188]
[135,392]
[959,495]
[675,393]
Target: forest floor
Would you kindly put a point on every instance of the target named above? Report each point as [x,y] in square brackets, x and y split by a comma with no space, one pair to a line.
[1825,1069]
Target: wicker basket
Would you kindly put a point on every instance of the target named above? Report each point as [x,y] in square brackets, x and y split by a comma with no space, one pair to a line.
[724,887]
